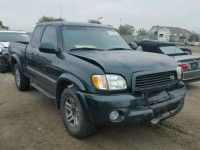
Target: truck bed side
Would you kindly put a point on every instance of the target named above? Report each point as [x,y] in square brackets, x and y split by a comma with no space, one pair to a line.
[17,52]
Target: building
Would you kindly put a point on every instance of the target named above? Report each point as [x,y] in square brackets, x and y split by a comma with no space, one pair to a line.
[164,35]
[176,33]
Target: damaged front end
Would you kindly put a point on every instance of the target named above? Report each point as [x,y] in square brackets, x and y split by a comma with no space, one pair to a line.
[136,108]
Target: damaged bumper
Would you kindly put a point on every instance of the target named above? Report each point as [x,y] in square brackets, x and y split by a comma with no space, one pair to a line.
[134,109]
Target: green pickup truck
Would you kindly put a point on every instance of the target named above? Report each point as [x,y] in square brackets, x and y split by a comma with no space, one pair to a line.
[95,77]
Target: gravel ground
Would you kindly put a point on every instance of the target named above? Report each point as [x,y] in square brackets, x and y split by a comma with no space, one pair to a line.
[29,120]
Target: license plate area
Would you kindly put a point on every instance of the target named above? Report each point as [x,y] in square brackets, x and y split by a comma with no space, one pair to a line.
[194,65]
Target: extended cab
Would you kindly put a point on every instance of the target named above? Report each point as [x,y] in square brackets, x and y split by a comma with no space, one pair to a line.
[96,77]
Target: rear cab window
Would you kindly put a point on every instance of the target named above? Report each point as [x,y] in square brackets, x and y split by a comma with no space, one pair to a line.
[49,36]
[35,40]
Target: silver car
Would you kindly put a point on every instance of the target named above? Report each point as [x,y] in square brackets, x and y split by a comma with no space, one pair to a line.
[189,64]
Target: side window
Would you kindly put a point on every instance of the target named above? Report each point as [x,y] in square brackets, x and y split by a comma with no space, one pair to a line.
[35,40]
[49,36]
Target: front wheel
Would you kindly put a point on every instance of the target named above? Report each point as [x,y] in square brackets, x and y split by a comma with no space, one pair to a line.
[76,122]
[21,81]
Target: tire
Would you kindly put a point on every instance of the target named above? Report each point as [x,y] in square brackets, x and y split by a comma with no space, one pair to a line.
[22,82]
[84,127]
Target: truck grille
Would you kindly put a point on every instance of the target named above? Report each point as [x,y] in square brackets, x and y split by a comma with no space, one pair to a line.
[156,79]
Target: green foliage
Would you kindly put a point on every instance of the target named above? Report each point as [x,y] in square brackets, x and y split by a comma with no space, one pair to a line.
[49,19]
[94,21]
[126,29]
[142,32]
[2,26]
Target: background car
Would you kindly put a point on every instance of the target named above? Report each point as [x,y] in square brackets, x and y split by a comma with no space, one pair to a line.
[7,36]
[189,64]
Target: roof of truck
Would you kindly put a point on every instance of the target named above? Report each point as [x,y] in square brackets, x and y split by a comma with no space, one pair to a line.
[59,23]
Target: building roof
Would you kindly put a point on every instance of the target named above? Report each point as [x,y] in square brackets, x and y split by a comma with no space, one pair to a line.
[174,30]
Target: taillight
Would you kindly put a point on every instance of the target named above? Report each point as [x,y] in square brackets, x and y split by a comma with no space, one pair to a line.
[190,52]
[183,66]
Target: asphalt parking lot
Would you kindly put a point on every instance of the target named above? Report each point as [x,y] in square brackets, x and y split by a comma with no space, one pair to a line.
[29,120]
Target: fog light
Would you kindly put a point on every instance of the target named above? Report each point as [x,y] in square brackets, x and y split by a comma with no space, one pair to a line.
[114,115]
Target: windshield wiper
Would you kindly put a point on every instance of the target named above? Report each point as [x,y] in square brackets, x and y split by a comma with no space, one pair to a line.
[84,48]
[119,48]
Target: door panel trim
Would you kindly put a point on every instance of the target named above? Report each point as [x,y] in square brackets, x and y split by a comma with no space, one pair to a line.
[41,74]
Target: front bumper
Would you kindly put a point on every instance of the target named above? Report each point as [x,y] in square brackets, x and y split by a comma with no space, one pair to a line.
[133,109]
[191,76]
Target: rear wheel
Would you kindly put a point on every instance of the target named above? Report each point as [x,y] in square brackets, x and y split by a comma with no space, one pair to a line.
[21,81]
[76,122]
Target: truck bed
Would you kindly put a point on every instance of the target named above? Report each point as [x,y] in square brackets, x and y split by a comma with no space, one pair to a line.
[18,49]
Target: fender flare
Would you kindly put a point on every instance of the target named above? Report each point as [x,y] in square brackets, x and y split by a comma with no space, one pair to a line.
[72,79]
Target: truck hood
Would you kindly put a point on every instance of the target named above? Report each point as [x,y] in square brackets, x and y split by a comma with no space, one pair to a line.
[184,58]
[127,61]
[5,44]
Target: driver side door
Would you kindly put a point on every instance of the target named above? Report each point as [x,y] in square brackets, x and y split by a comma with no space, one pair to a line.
[49,62]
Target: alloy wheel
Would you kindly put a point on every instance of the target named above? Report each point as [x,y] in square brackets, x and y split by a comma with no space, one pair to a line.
[72,112]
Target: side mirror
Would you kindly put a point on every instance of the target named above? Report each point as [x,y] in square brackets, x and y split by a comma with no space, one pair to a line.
[47,48]
[133,45]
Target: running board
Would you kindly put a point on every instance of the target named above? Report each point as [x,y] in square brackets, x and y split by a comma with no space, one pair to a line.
[43,91]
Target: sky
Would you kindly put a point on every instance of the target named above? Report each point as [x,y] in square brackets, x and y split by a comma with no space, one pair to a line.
[24,14]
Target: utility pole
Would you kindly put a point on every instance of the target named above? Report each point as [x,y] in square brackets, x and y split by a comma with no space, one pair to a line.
[60,11]
[100,18]
[120,21]
[120,26]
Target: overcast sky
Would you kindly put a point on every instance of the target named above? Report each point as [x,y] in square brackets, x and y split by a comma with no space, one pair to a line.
[23,14]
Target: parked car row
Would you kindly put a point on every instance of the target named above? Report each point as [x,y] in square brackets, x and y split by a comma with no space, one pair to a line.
[95,77]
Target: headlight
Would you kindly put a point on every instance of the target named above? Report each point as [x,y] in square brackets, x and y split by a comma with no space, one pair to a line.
[179,73]
[109,82]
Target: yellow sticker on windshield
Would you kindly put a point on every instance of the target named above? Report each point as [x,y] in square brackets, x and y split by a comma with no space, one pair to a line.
[84,46]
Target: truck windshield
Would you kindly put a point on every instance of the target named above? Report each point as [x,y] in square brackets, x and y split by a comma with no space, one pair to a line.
[14,37]
[171,50]
[84,38]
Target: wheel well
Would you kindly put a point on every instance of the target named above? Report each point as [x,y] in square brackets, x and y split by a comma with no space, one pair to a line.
[13,62]
[62,85]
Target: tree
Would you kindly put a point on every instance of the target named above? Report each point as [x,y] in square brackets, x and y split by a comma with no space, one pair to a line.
[49,19]
[94,21]
[126,29]
[142,32]
[2,26]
